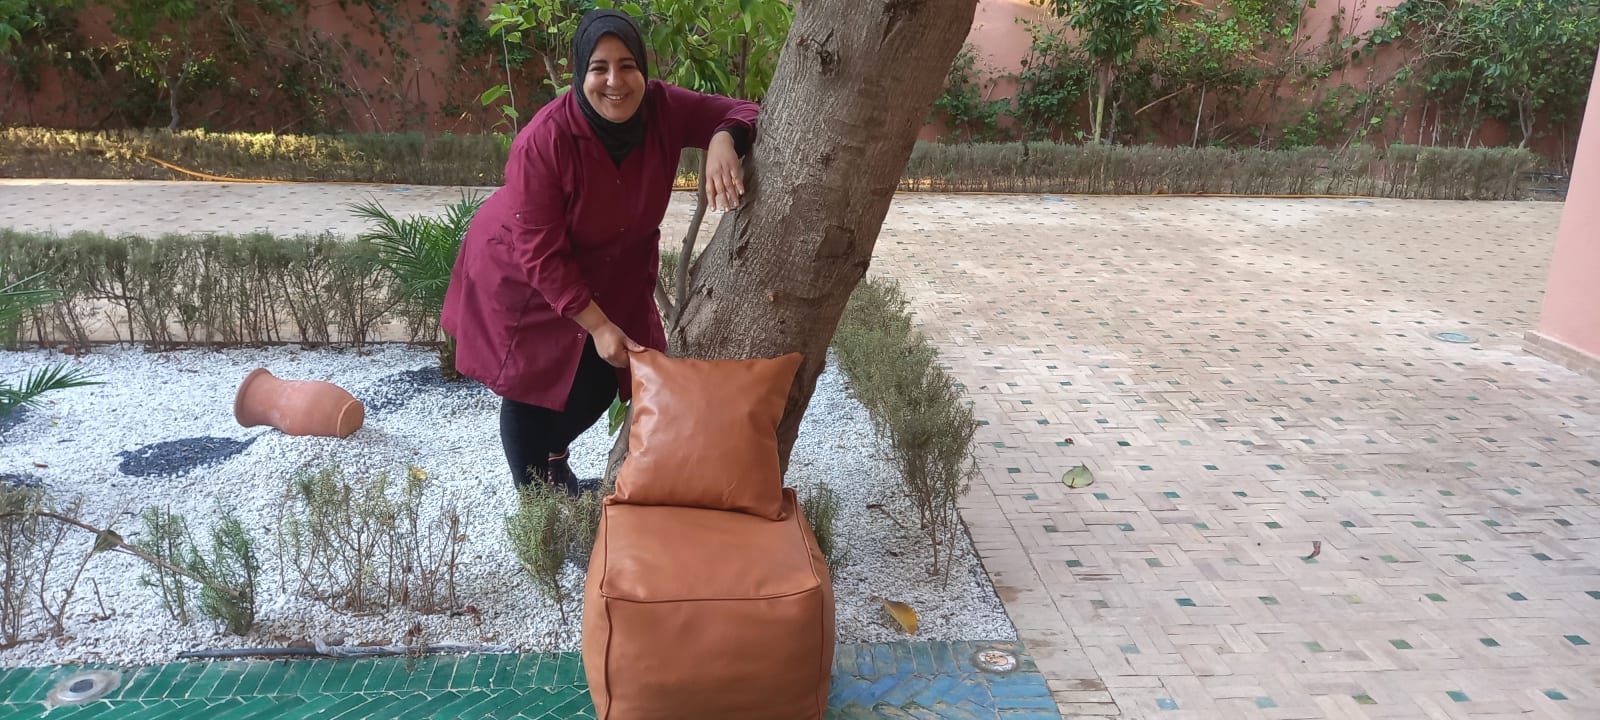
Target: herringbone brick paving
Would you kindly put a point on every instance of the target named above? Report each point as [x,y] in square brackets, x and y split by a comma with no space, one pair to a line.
[931,681]
[1250,380]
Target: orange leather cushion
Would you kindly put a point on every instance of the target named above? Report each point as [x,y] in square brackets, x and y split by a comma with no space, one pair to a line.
[705,614]
[705,433]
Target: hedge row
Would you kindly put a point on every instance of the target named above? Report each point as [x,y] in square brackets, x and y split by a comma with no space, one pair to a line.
[1409,172]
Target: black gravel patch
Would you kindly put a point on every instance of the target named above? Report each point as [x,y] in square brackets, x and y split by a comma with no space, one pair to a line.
[17,481]
[176,457]
[393,391]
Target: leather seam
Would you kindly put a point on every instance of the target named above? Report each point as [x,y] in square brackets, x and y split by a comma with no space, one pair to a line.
[740,598]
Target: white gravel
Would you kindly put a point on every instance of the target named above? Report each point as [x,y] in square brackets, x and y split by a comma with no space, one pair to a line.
[72,445]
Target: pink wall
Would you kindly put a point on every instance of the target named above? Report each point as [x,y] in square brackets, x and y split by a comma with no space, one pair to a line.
[1571,316]
[433,90]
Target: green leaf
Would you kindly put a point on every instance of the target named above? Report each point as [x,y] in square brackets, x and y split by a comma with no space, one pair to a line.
[1078,477]
[108,539]
[493,94]
[615,416]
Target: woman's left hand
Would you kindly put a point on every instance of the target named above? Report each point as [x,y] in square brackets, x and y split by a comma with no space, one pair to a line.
[724,180]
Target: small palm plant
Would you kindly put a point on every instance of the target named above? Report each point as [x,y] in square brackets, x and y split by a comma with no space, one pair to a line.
[420,252]
[16,300]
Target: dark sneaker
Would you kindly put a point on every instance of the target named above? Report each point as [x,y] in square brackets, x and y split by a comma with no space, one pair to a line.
[561,476]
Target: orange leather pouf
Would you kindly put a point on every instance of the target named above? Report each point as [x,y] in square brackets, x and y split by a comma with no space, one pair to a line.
[699,605]
[707,614]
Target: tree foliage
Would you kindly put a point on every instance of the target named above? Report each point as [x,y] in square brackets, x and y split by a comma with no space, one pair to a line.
[1112,33]
[1512,60]
[727,47]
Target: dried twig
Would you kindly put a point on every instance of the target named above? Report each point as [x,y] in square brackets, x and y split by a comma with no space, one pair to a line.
[108,539]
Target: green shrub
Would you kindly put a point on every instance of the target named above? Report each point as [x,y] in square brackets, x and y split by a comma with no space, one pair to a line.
[179,290]
[1047,89]
[549,529]
[363,545]
[917,408]
[420,255]
[167,537]
[233,564]
[1401,171]
[821,508]
[32,551]
[407,158]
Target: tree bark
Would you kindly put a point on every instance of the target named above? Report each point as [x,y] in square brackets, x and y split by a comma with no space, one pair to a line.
[835,134]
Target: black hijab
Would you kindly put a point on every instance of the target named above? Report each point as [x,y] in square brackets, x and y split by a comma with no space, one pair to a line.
[619,138]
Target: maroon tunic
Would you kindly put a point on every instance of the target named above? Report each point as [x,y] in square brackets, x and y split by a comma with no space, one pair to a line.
[568,227]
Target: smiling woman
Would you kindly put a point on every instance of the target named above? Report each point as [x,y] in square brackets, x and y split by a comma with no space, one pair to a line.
[554,285]
[613,83]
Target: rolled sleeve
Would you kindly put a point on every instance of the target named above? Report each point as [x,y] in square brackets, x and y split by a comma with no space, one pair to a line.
[538,228]
[698,116]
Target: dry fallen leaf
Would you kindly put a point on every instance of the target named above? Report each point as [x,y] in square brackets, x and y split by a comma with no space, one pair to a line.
[902,613]
[1316,549]
[1078,477]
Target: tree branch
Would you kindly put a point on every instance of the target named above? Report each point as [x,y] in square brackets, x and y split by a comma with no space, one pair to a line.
[109,540]
[687,252]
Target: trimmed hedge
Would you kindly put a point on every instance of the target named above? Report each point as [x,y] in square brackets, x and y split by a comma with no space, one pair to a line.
[1401,171]
[180,290]
[1406,172]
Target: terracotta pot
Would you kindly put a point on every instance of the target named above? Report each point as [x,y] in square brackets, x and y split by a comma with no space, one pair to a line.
[297,407]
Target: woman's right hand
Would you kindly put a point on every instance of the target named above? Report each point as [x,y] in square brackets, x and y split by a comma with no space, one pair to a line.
[614,345]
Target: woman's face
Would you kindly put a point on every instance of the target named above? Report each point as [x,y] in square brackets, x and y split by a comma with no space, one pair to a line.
[612,82]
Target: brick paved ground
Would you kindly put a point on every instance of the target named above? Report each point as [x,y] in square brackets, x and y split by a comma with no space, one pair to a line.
[1246,379]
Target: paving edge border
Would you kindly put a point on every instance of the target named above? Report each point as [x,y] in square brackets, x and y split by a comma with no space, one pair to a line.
[1562,354]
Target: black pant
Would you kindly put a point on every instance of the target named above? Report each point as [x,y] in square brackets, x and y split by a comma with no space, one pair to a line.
[530,434]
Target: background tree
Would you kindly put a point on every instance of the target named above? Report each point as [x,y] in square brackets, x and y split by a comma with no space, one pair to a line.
[1512,60]
[1112,32]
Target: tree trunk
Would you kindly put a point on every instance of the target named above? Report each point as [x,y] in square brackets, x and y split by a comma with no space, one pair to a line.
[1525,123]
[834,136]
[1102,88]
